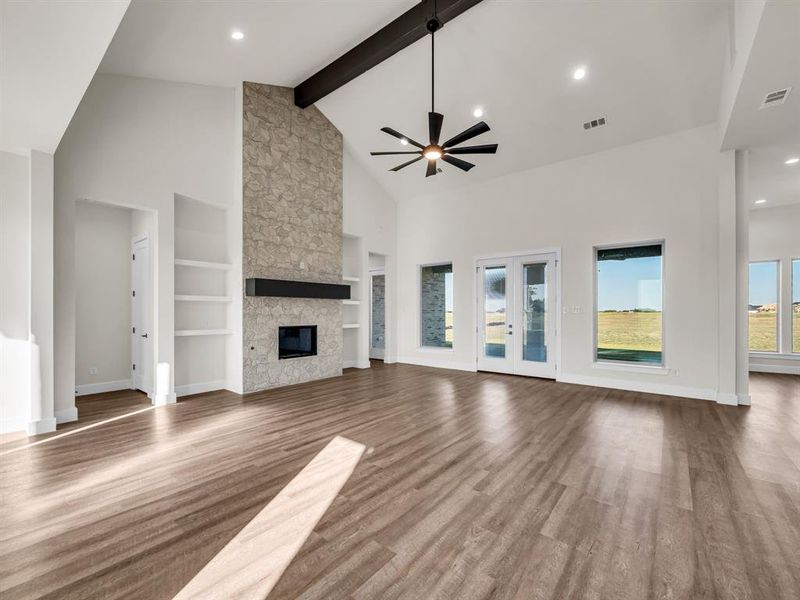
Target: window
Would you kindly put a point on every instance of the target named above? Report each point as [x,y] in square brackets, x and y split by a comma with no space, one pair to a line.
[436,305]
[628,316]
[796,305]
[763,306]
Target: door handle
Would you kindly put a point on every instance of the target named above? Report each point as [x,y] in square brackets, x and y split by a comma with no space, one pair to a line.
[144,335]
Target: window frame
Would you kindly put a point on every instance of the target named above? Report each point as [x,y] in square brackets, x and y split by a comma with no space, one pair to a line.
[778,308]
[420,345]
[624,364]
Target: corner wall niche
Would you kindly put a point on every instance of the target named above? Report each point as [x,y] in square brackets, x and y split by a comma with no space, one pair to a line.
[292,205]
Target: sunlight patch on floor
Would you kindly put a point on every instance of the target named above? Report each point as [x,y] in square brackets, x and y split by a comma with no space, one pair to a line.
[249,566]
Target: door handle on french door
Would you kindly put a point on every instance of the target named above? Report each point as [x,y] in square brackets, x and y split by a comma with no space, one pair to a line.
[144,335]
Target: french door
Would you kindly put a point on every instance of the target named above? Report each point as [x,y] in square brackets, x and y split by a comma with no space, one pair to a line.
[517,315]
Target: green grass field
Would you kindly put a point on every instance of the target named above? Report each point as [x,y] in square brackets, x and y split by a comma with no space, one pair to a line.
[629,330]
[642,331]
[764,330]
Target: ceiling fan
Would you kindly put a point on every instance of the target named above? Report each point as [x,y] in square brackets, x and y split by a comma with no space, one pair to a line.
[434,150]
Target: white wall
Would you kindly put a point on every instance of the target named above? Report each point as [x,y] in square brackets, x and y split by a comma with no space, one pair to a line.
[136,142]
[775,235]
[14,298]
[664,188]
[371,214]
[103,294]
[14,240]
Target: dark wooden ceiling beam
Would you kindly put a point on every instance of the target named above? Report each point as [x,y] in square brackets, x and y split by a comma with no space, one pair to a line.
[400,33]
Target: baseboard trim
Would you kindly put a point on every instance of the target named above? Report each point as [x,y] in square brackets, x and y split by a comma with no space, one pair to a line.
[41,426]
[437,364]
[67,415]
[13,425]
[663,389]
[782,369]
[727,398]
[355,364]
[199,388]
[103,386]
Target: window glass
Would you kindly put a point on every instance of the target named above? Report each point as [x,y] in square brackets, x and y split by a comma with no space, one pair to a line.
[628,304]
[763,306]
[436,305]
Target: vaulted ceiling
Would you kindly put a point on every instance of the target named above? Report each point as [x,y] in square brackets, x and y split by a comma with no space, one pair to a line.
[652,68]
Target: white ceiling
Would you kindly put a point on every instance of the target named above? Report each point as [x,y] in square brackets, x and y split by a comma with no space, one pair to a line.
[49,52]
[653,68]
[285,40]
[770,178]
[773,64]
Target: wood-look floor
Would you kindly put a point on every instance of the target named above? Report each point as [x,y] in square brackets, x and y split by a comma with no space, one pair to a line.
[473,486]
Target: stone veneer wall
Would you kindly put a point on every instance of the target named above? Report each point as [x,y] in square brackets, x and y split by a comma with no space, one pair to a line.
[292,178]
[433,305]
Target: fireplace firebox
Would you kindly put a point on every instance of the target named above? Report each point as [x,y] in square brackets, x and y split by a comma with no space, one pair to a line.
[297,341]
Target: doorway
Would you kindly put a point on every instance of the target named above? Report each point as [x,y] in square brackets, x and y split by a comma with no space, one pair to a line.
[377,307]
[141,338]
[517,308]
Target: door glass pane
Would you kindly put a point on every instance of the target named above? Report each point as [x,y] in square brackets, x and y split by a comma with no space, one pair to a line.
[494,310]
[534,311]
[378,310]
[763,308]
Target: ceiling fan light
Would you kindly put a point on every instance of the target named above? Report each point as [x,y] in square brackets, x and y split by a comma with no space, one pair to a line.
[433,154]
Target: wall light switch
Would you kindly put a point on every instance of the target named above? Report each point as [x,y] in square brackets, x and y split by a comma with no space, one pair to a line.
[92,370]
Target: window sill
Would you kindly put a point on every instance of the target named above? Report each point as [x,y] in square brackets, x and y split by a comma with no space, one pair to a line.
[777,355]
[631,368]
[434,349]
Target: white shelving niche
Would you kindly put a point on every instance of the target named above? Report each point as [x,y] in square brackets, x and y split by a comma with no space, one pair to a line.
[203,296]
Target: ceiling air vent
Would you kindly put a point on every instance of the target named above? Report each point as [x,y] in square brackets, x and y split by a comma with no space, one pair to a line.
[594,123]
[775,98]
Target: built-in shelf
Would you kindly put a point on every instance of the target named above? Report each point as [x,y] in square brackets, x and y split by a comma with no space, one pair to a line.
[193,298]
[350,326]
[202,264]
[194,332]
[351,279]
[351,301]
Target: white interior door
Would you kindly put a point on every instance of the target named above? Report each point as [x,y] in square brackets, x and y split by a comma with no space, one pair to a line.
[517,309]
[142,339]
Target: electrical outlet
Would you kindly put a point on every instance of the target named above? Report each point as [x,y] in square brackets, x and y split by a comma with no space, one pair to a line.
[92,370]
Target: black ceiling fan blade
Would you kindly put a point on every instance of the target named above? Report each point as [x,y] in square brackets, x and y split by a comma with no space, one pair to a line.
[392,153]
[435,126]
[405,164]
[431,170]
[457,162]
[400,136]
[467,134]
[483,149]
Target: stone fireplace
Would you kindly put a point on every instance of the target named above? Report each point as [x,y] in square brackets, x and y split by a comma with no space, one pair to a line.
[292,180]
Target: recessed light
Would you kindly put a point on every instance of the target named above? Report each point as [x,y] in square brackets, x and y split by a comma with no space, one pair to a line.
[792,161]
[237,35]
[404,141]
[760,201]
[477,112]
[579,73]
